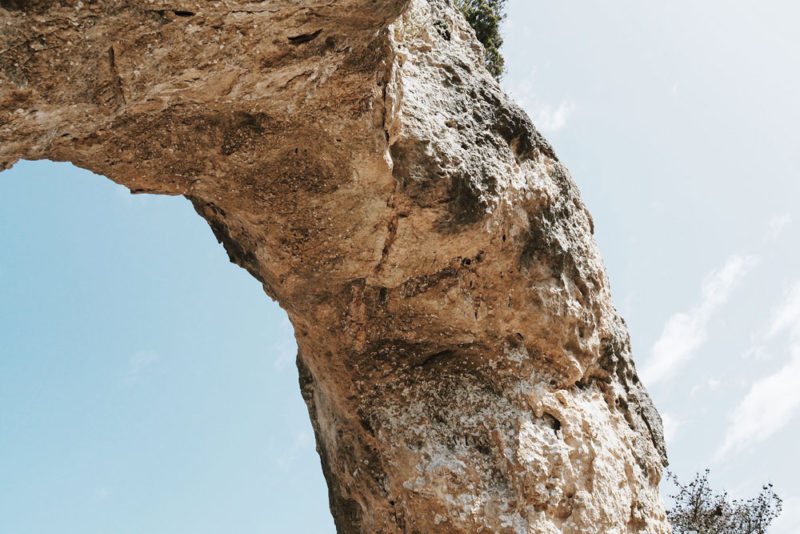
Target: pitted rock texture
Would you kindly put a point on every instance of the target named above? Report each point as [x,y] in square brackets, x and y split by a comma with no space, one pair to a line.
[464,367]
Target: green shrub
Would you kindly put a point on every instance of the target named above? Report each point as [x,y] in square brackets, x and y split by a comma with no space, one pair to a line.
[485,17]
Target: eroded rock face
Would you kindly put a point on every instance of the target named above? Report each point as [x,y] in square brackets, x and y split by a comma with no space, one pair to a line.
[463,364]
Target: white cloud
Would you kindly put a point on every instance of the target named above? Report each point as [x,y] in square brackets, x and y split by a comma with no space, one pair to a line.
[776,226]
[685,332]
[767,407]
[139,362]
[285,349]
[303,443]
[671,425]
[101,493]
[547,118]
[758,352]
[783,318]
[773,400]
[712,384]
[285,355]
[628,305]
[788,315]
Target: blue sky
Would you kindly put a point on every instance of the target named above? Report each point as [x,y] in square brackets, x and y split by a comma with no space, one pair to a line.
[148,385]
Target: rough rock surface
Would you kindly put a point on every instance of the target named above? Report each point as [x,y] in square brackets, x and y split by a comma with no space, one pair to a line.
[463,364]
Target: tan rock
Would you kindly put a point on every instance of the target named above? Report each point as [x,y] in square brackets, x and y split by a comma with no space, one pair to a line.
[463,364]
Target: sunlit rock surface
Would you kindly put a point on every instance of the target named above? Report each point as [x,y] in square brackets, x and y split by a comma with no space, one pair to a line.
[463,364]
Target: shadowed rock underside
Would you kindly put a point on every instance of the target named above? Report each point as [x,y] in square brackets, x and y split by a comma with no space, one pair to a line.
[459,353]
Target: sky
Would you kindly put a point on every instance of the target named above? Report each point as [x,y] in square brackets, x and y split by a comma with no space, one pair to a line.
[148,385]
[678,121]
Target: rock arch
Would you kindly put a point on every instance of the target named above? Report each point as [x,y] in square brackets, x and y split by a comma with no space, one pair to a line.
[459,353]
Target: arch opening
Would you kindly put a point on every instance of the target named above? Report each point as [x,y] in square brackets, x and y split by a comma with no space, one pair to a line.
[146,384]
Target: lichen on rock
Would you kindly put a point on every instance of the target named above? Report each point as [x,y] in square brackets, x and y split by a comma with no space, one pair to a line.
[463,364]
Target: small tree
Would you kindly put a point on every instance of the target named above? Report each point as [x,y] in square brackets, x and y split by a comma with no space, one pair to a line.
[699,509]
[485,17]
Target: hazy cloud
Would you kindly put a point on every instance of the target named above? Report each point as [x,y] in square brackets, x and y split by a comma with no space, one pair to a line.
[285,350]
[671,425]
[139,362]
[712,384]
[776,226]
[766,408]
[773,400]
[685,332]
[787,318]
[303,442]
[101,493]
[758,352]
[550,119]
[547,117]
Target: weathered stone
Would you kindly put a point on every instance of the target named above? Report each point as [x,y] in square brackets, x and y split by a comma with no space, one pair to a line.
[463,364]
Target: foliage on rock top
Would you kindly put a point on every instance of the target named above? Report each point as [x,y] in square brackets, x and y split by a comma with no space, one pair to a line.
[485,17]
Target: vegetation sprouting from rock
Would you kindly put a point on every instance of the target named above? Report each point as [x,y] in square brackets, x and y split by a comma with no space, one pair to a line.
[485,17]
[699,509]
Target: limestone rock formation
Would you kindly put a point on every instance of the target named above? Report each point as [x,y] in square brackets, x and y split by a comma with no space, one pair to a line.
[459,353]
